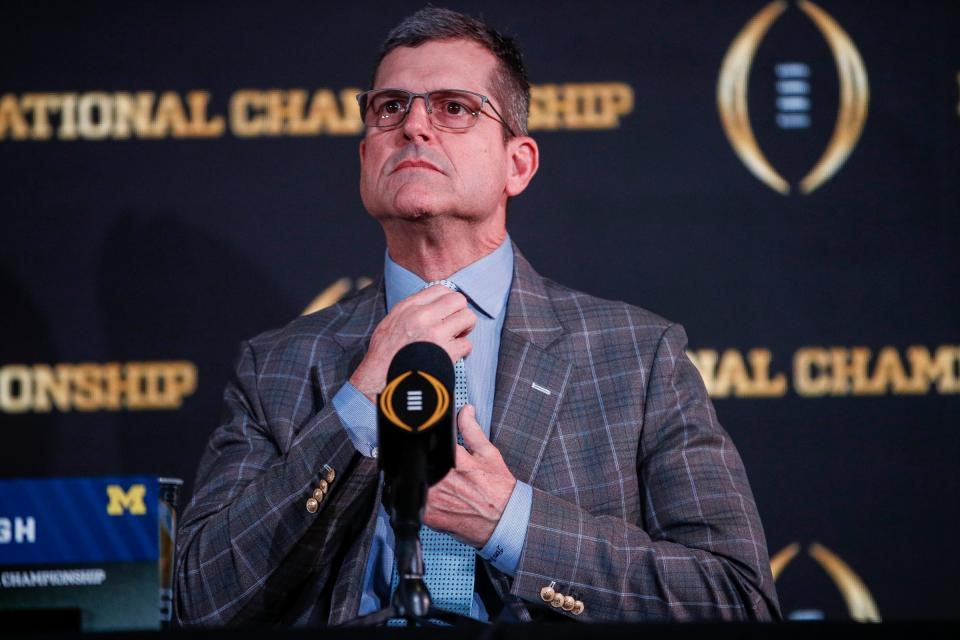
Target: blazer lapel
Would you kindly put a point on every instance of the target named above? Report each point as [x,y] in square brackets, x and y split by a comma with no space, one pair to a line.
[368,310]
[362,314]
[531,381]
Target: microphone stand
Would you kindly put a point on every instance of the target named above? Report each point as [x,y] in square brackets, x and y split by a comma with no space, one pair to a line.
[411,461]
[411,600]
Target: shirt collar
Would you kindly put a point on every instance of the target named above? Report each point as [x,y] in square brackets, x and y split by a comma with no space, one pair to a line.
[486,282]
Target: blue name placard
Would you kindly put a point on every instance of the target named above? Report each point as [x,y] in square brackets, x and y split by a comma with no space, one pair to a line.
[78,520]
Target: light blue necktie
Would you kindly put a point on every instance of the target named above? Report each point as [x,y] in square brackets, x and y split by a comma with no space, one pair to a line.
[448,564]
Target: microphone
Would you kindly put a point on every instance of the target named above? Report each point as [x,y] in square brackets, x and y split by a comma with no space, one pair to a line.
[417,440]
[417,447]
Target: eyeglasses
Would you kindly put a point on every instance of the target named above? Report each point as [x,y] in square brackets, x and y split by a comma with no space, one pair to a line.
[447,108]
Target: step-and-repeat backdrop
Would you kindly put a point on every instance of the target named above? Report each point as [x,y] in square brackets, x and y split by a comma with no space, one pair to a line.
[779,176]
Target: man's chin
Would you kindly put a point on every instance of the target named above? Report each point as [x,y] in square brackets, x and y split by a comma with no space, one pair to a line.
[418,206]
[415,214]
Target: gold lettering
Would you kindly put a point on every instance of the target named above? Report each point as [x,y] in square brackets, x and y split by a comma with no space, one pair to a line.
[42,105]
[277,112]
[51,386]
[244,121]
[705,360]
[579,106]
[88,389]
[323,111]
[202,126]
[735,377]
[182,382]
[762,385]
[94,115]
[68,117]
[810,371]
[571,103]
[849,366]
[93,387]
[170,117]
[151,380]
[888,373]
[11,119]
[132,387]
[16,389]
[944,368]
[350,122]
[544,107]
[326,114]
[290,112]
[285,112]
[841,371]
[112,386]
[133,115]
[732,375]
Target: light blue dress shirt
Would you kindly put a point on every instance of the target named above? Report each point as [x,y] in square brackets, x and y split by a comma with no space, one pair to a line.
[486,283]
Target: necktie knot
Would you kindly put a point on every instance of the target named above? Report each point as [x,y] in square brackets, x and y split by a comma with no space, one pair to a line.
[449,284]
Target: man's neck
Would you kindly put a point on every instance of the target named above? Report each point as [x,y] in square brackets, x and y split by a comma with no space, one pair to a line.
[438,249]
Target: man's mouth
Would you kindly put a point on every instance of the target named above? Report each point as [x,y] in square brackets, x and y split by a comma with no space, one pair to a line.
[415,164]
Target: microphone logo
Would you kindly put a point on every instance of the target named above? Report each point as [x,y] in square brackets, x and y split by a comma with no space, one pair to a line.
[414,415]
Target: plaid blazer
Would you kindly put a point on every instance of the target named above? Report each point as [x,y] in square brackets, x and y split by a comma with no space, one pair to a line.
[641,505]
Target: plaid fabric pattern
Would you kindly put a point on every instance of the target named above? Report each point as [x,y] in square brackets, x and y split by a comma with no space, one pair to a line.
[641,505]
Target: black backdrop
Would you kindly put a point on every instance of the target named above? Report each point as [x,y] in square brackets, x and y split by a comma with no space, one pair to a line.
[161,247]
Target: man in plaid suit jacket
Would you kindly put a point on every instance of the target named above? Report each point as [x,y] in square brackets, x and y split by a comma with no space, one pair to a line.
[640,508]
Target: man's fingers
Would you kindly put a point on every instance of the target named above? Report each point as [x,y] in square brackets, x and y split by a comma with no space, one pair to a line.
[436,311]
[460,323]
[473,436]
[443,303]
[458,348]
[463,459]
[422,316]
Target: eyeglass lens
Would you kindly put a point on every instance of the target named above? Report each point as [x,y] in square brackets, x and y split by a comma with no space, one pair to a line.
[449,108]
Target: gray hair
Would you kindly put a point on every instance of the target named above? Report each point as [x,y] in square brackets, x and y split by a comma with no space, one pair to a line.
[509,81]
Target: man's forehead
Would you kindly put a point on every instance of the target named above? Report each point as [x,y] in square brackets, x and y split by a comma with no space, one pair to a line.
[437,64]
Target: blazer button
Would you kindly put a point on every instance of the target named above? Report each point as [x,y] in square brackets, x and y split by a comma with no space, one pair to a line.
[577,608]
[547,593]
[312,505]
[557,600]
[568,603]
[331,474]
[318,494]
[324,486]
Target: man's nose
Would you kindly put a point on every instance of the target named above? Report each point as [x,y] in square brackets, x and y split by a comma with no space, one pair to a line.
[417,123]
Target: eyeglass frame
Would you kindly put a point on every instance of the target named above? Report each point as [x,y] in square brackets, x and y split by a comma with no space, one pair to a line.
[426,103]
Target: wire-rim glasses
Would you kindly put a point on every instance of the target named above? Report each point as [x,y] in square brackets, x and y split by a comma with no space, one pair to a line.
[454,109]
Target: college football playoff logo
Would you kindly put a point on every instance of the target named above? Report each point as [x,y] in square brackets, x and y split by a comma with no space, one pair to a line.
[407,413]
[851,110]
[856,596]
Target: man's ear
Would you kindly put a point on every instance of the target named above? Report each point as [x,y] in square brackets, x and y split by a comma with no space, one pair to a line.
[363,149]
[524,158]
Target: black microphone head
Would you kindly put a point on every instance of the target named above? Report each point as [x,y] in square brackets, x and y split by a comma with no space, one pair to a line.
[423,356]
[415,411]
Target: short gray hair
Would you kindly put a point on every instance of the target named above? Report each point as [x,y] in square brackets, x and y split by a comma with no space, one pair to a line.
[509,81]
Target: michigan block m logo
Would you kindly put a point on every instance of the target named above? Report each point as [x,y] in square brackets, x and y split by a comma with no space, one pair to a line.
[131,500]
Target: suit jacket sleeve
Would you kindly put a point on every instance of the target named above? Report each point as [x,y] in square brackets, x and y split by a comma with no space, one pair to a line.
[698,549]
[246,541]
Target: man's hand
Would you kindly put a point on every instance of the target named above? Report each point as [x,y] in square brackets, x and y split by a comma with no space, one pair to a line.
[436,314]
[470,499]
